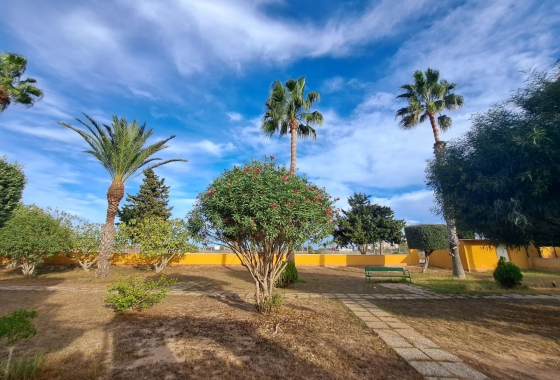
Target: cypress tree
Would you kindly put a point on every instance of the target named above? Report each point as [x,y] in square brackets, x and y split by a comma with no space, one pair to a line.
[151,201]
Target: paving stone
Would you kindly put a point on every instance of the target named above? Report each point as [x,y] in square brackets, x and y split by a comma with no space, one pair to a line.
[398,325]
[380,313]
[441,355]
[409,354]
[390,319]
[370,318]
[430,368]
[422,342]
[396,342]
[463,370]
[377,325]
[385,333]
[361,313]
[408,333]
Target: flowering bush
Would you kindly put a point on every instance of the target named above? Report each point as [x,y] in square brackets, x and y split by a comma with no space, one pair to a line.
[260,211]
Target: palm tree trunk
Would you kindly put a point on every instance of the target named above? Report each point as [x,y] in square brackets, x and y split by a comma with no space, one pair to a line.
[114,196]
[435,128]
[293,134]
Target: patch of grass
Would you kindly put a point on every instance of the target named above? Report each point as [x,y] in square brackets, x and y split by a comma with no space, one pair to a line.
[22,369]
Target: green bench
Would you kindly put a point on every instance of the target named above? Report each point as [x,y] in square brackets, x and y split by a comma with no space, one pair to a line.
[378,272]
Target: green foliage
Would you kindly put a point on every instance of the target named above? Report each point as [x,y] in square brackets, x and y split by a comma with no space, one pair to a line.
[288,276]
[17,326]
[259,211]
[150,202]
[507,273]
[22,369]
[427,237]
[271,305]
[502,177]
[465,234]
[427,97]
[365,223]
[32,235]
[14,89]
[160,239]
[86,237]
[12,182]
[134,293]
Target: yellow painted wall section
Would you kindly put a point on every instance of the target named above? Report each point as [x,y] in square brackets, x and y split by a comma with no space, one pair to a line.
[480,254]
[518,256]
[351,260]
[413,259]
[441,259]
[547,264]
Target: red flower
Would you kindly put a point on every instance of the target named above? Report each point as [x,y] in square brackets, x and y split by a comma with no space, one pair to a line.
[211,191]
[296,191]
[319,196]
[259,171]
[229,184]
[273,206]
[329,211]
[272,157]
[252,224]
[284,178]
[337,199]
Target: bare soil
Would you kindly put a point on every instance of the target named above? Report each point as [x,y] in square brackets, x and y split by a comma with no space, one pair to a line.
[509,340]
[201,337]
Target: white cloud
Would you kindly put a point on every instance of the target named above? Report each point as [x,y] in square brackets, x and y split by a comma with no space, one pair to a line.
[234,116]
[141,93]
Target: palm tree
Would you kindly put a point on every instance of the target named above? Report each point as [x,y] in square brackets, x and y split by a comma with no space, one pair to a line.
[285,112]
[427,98]
[12,88]
[122,152]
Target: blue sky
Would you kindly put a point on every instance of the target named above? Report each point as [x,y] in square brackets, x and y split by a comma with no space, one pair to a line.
[202,70]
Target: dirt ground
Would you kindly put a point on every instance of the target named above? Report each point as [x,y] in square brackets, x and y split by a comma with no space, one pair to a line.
[201,337]
[509,340]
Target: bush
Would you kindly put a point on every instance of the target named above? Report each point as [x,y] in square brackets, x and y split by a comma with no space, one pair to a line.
[137,294]
[427,237]
[288,276]
[507,273]
[17,326]
[271,305]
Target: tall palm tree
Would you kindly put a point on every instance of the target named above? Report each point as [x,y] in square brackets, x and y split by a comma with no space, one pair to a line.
[121,149]
[427,98]
[13,89]
[286,113]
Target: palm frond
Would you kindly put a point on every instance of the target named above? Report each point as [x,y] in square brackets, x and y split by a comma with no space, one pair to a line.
[306,131]
[444,122]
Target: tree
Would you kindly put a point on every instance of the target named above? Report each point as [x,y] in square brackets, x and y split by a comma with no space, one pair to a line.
[502,177]
[427,238]
[160,239]
[427,98]
[260,211]
[367,223]
[86,237]
[151,201]
[12,182]
[121,149]
[31,235]
[13,89]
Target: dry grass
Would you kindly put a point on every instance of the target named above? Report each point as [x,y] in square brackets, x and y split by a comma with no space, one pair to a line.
[201,337]
[509,340]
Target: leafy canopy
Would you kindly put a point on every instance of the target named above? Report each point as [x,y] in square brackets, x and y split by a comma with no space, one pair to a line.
[12,182]
[14,89]
[367,223]
[17,326]
[121,148]
[263,206]
[426,97]
[502,178]
[151,201]
[427,237]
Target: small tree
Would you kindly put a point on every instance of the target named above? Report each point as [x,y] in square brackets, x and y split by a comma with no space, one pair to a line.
[428,238]
[260,211]
[160,239]
[31,235]
[365,223]
[86,237]
[12,182]
[15,327]
[151,201]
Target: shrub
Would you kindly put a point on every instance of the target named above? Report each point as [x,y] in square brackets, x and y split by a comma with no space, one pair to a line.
[507,273]
[12,182]
[135,293]
[271,305]
[427,238]
[288,276]
[17,326]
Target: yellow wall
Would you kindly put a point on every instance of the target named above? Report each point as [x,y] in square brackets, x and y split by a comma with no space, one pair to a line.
[231,259]
[545,264]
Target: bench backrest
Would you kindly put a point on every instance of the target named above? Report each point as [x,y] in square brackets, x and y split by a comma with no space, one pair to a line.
[384,269]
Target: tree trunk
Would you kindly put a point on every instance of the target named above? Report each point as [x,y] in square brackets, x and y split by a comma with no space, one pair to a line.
[435,128]
[291,256]
[114,196]
[426,261]
[362,249]
[27,269]
[7,370]
[458,270]
[4,99]
[293,133]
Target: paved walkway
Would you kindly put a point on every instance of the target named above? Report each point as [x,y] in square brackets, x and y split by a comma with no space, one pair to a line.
[421,353]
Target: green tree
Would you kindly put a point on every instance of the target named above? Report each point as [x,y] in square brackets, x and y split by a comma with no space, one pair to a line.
[121,149]
[502,177]
[13,89]
[427,98]
[161,240]
[86,237]
[31,235]
[367,223]
[151,201]
[427,238]
[12,182]
[260,211]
